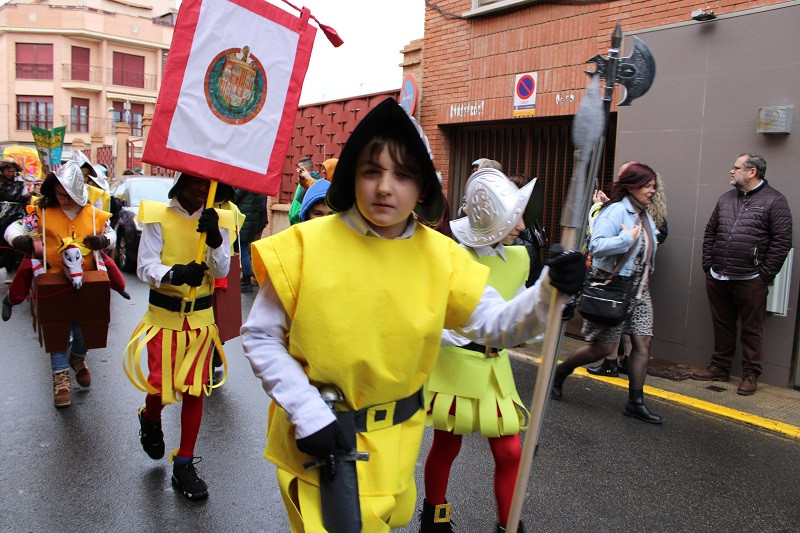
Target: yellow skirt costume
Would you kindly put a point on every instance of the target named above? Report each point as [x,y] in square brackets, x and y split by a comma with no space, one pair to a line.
[376,338]
[193,346]
[470,391]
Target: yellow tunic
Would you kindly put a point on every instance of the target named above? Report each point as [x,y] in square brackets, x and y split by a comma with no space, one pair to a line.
[366,315]
[57,226]
[180,243]
[482,388]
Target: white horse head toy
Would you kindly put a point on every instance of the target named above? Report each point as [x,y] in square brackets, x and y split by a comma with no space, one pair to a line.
[72,253]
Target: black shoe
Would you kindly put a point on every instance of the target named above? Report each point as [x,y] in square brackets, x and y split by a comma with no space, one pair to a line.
[556,389]
[6,309]
[187,482]
[152,438]
[641,412]
[607,368]
[245,287]
[622,364]
[435,518]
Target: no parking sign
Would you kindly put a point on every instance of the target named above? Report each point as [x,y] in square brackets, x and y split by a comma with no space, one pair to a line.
[525,94]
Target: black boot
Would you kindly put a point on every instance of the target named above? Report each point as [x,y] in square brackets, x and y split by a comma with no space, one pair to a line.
[622,364]
[6,309]
[151,436]
[561,374]
[637,409]
[435,518]
[607,368]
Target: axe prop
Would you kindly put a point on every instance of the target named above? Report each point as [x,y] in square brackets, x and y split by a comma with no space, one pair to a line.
[636,73]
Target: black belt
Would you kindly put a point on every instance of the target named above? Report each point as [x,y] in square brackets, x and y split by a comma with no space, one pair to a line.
[385,414]
[174,303]
[480,348]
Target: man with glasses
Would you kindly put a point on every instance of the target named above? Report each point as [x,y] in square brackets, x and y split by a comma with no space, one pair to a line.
[745,243]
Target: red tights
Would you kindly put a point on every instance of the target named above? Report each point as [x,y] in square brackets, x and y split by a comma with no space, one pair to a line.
[506,451]
[191,416]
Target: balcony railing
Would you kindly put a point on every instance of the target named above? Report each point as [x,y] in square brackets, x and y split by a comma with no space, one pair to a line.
[34,71]
[73,72]
[132,79]
[78,124]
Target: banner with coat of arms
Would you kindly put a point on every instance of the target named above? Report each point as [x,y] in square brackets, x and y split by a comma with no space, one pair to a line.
[232,83]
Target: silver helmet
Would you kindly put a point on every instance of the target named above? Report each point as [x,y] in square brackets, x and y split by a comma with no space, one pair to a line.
[494,206]
[101,180]
[70,177]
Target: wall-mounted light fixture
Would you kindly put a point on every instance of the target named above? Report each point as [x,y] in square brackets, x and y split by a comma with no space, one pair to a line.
[775,119]
[703,14]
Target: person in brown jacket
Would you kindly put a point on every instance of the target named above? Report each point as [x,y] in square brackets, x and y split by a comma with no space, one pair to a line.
[745,243]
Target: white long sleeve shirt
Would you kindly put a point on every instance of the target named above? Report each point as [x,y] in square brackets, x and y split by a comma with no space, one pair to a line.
[493,322]
[149,267]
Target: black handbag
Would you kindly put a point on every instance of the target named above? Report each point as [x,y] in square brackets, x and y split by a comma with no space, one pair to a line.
[605,301]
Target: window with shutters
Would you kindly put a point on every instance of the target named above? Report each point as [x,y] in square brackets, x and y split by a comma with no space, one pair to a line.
[135,118]
[79,115]
[34,111]
[34,61]
[80,63]
[128,70]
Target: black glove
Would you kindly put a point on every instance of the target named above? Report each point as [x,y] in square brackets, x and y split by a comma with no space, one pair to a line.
[96,242]
[325,442]
[209,223]
[567,269]
[190,274]
[23,243]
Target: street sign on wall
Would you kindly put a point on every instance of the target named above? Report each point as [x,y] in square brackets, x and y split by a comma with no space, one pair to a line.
[409,94]
[525,94]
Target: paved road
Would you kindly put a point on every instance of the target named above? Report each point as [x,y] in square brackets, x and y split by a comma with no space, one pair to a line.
[82,468]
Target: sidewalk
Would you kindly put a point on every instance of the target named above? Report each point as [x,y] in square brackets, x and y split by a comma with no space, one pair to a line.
[773,408]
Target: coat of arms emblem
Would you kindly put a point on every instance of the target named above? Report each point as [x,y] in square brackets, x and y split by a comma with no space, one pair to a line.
[235,86]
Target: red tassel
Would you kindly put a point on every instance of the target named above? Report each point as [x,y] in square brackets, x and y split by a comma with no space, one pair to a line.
[331,34]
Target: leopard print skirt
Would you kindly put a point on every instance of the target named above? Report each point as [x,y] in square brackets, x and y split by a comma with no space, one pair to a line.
[640,312]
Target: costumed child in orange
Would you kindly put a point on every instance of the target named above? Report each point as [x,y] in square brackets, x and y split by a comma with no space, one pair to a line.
[62,211]
[178,335]
[369,329]
[471,388]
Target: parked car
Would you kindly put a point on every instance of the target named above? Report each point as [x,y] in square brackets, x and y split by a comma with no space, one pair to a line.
[129,230]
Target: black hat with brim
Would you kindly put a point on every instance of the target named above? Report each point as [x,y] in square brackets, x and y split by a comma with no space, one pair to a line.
[390,121]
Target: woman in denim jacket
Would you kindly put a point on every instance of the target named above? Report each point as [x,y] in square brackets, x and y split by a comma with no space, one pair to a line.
[622,224]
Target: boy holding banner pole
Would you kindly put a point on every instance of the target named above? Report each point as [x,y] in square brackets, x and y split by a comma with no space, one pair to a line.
[184,246]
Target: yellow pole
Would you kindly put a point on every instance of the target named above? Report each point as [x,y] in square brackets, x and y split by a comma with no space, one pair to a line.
[201,248]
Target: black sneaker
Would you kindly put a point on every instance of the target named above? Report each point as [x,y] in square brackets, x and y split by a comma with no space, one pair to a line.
[186,480]
[152,438]
[6,309]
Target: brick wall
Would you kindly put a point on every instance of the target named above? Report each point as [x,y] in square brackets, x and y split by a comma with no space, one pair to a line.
[469,65]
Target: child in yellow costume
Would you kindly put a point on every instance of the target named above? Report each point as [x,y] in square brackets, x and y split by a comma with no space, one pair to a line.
[178,337]
[357,301]
[63,211]
[472,388]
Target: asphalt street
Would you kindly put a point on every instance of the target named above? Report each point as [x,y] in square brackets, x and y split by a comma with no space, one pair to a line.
[82,468]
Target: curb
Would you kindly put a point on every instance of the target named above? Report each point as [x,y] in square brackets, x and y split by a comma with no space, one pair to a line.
[787,430]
